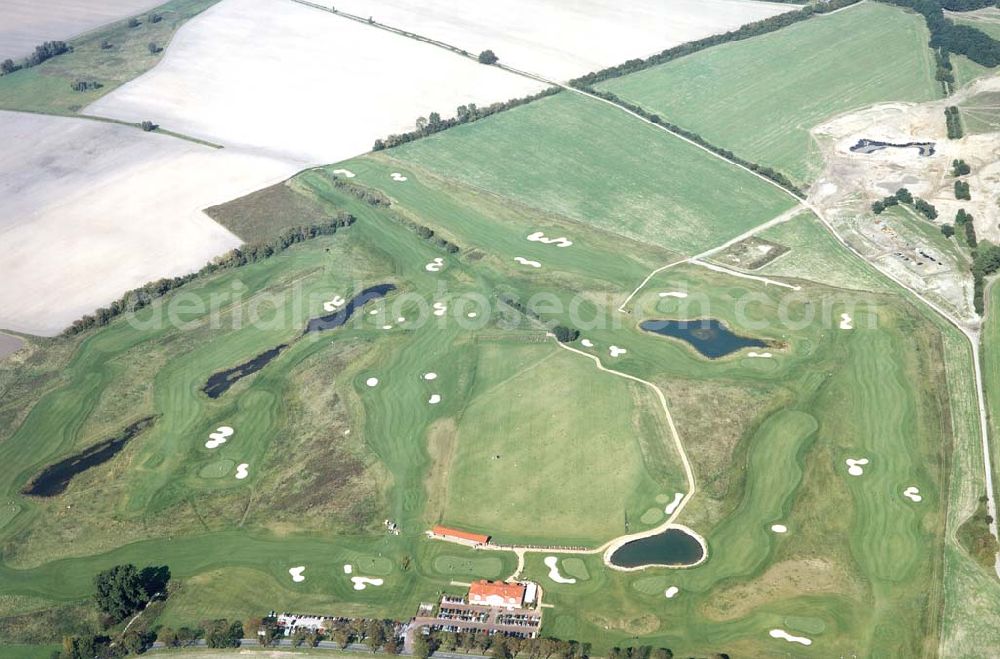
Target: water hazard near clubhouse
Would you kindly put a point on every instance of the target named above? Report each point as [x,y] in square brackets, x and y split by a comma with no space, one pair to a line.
[674,547]
[708,336]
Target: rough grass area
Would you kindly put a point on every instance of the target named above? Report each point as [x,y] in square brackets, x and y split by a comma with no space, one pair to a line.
[260,216]
[975,536]
[760,97]
[47,87]
[592,163]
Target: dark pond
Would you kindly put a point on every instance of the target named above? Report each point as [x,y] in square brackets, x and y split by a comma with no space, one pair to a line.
[673,547]
[219,383]
[871,146]
[55,478]
[340,317]
[708,336]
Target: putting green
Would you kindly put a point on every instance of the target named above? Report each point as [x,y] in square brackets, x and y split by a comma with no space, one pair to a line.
[217,469]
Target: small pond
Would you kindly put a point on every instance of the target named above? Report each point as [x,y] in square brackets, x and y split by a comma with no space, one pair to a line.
[340,317]
[871,146]
[673,548]
[708,336]
[220,382]
[55,478]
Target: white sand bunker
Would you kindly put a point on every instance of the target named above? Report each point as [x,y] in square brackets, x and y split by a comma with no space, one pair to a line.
[856,467]
[552,563]
[439,308]
[615,351]
[434,399]
[779,528]
[435,265]
[360,583]
[396,176]
[763,355]
[431,375]
[539,237]
[524,261]
[241,471]
[846,322]
[781,633]
[472,314]
[679,294]
[373,312]
[401,319]
[348,568]
[671,592]
[672,506]
[913,494]
[372,382]
[296,573]
[334,304]
[387,327]
[586,343]
[346,173]
[219,437]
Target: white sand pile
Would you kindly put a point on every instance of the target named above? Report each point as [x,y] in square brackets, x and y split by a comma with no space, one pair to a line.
[219,437]
[779,528]
[913,494]
[615,351]
[372,382]
[539,237]
[435,265]
[434,399]
[241,471]
[430,375]
[856,467]
[296,573]
[672,506]
[671,592]
[343,172]
[673,294]
[524,261]
[552,563]
[334,304]
[360,583]
[396,176]
[439,308]
[846,322]
[781,633]
[764,355]
[586,343]
[348,568]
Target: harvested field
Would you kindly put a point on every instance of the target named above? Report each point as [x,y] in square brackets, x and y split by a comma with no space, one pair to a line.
[28,23]
[93,209]
[564,40]
[314,88]
[9,344]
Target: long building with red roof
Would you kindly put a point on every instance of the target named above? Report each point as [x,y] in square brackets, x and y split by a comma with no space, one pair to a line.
[462,536]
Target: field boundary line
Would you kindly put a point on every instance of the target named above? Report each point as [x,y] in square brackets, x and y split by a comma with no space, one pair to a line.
[743,275]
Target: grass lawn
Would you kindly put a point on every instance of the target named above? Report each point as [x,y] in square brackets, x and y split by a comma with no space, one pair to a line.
[594,164]
[760,97]
[47,87]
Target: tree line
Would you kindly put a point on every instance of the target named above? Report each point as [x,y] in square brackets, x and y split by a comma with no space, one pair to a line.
[43,52]
[957,39]
[141,297]
[904,196]
[464,114]
[747,31]
[765,171]
[953,122]
[367,195]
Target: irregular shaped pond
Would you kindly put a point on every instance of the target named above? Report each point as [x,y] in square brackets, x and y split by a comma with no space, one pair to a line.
[708,336]
[673,548]
[339,318]
[54,479]
[871,146]
[219,383]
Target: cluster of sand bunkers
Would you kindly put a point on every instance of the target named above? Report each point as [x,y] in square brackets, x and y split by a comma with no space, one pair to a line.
[430,376]
[360,583]
[856,467]
[220,437]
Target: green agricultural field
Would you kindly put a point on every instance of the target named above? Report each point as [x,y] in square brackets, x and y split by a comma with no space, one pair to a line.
[48,86]
[760,97]
[594,164]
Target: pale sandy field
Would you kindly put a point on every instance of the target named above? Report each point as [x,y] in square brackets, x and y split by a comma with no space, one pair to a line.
[299,83]
[89,210]
[27,23]
[561,39]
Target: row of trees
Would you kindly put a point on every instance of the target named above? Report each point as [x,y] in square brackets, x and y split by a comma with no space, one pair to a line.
[367,195]
[958,39]
[964,221]
[986,261]
[464,114]
[763,170]
[250,253]
[967,5]
[46,51]
[745,32]
[102,646]
[428,234]
[904,196]
[954,122]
